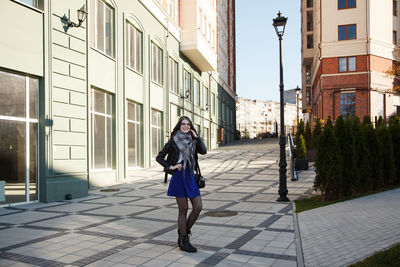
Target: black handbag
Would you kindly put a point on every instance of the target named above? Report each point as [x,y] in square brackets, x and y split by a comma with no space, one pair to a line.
[200,180]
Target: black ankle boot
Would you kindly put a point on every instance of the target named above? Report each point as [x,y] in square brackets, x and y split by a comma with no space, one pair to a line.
[180,238]
[185,244]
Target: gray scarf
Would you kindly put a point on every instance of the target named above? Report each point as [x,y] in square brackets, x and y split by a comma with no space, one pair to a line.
[186,146]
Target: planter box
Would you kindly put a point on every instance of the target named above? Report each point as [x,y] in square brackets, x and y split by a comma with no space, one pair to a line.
[301,164]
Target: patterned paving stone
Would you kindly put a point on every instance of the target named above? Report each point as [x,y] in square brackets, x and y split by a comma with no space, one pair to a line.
[342,233]
[136,226]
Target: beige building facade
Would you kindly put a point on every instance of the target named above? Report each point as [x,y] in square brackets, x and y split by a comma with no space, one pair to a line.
[87,106]
[347,46]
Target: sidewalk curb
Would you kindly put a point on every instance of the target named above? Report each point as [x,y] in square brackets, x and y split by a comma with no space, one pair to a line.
[297,238]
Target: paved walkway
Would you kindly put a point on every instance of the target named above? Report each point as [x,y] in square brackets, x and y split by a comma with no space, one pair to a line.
[340,234]
[137,224]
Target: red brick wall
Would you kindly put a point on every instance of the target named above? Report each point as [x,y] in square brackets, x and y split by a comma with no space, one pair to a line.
[362,106]
[331,103]
[326,90]
[331,65]
[344,81]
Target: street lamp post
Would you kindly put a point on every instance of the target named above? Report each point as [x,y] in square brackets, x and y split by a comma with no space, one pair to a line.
[297,105]
[279,24]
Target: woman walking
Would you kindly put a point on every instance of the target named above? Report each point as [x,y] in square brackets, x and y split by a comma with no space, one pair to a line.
[182,149]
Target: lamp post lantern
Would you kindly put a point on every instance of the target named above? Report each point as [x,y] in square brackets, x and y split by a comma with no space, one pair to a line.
[279,24]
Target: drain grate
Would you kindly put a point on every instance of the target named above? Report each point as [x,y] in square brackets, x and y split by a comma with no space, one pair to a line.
[221,213]
[109,190]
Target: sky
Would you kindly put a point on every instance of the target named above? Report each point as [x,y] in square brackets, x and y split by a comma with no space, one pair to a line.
[257,48]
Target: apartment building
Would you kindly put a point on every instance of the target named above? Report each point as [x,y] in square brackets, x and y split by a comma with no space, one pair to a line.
[347,46]
[258,117]
[87,106]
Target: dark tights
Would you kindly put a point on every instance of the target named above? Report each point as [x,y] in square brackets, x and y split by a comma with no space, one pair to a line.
[184,224]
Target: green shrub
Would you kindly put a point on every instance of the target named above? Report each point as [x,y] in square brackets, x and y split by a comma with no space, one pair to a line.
[351,175]
[300,131]
[386,147]
[374,148]
[316,133]
[364,157]
[394,128]
[308,135]
[301,148]
[329,122]
[328,166]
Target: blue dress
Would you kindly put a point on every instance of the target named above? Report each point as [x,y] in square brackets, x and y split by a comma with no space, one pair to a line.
[183,186]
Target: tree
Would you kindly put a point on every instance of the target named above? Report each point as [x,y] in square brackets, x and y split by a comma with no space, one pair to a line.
[351,175]
[363,155]
[301,152]
[374,148]
[328,166]
[394,70]
[316,133]
[300,131]
[394,128]
[386,147]
[329,122]
[308,135]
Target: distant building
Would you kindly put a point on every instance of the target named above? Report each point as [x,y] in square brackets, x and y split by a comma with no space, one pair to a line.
[346,48]
[290,96]
[258,117]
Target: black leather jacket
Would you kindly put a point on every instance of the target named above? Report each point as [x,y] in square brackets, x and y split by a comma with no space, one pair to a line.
[172,150]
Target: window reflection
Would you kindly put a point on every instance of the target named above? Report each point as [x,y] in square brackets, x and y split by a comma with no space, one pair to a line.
[17,94]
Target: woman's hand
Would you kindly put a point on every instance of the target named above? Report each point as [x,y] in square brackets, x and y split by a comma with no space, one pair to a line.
[194,135]
[177,166]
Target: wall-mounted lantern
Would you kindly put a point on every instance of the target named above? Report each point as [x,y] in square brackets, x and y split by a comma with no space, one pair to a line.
[82,14]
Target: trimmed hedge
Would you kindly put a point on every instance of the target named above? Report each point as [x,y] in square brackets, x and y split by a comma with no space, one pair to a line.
[354,157]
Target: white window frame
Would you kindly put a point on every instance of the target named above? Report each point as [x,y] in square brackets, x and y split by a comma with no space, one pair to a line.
[196,92]
[135,62]
[106,117]
[137,122]
[172,9]
[159,132]
[206,135]
[28,120]
[205,97]
[346,59]
[186,84]
[173,75]
[104,50]
[213,103]
[156,64]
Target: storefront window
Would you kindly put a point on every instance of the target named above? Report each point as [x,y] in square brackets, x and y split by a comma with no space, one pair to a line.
[18,136]
[102,129]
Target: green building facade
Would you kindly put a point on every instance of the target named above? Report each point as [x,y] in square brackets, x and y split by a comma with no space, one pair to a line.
[85,107]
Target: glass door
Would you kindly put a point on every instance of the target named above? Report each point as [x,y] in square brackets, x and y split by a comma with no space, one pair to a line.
[18,137]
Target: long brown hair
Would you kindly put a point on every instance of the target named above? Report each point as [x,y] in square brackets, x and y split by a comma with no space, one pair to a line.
[178,125]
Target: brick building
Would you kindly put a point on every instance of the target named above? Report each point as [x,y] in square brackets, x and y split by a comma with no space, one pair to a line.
[347,46]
